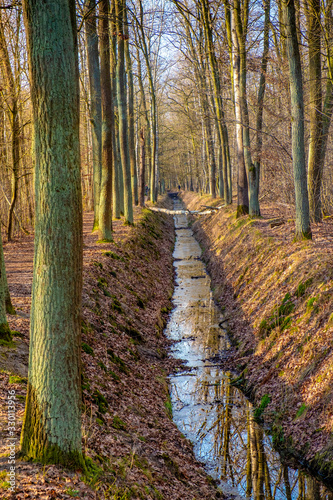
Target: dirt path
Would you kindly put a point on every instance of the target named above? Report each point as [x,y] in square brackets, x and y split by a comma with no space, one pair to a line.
[19,255]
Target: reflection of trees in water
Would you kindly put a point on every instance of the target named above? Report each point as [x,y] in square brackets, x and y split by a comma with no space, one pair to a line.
[243,453]
[225,429]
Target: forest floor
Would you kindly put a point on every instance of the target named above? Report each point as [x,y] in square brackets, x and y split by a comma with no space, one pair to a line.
[135,449]
[278,297]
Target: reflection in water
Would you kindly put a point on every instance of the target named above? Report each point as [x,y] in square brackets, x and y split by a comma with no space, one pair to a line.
[210,412]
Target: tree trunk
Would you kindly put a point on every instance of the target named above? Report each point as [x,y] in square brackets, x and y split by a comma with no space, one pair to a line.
[13,114]
[117,174]
[206,14]
[95,101]
[122,112]
[255,171]
[105,202]
[142,168]
[131,131]
[315,166]
[52,422]
[242,185]
[303,229]
[5,333]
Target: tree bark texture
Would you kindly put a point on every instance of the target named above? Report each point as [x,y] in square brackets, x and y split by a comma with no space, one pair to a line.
[315,166]
[95,101]
[131,131]
[52,421]
[105,203]
[122,111]
[242,184]
[303,229]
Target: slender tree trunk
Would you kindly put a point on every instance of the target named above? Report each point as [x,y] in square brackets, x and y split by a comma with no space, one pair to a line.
[5,333]
[255,172]
[52,422]
[105,202]
[315,166]
[131,131]
[242,185]
[122,112]
[142,168]
[240,29]
[117,174]
[13,114]
[95,101]
[303,229]
[206,15]
[328,102]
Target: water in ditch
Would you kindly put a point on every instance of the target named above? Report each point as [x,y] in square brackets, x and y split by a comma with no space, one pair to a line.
[212,414]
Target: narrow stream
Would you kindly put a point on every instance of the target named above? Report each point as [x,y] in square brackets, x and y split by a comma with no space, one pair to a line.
[212,414]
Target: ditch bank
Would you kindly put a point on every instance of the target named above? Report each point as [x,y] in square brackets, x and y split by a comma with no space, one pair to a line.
[277,295]
[133,448]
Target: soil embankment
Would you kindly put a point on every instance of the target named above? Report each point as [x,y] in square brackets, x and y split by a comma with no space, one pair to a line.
[278,297]
[135,449]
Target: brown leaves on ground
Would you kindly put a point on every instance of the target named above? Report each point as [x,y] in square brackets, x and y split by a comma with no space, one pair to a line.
[278,295]
[136,450]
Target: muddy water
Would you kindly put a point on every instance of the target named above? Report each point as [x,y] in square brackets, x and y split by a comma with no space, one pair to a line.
[214,415]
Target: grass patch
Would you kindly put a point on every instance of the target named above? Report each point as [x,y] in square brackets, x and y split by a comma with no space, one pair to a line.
[265,400]
[101,402]
[302,287]
[118,424]
[302,409]
[280,316]
[15,379]
[87,349]
[117,361]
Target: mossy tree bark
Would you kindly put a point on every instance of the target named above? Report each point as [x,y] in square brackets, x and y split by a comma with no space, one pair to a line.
[5,333]
[130,109]
[117,174]
[95,100]
[122,111]
[105,202]
[52,422]
[303,229]
[315,166]
[142,168]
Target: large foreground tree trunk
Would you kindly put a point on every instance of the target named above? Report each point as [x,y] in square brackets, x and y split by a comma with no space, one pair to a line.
[303,229]
[52,421]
